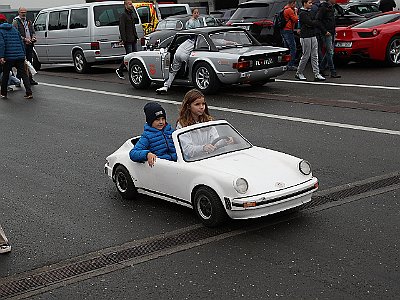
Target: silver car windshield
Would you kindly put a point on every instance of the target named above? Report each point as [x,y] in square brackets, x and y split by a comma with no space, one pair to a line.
[210,141]
[229,39]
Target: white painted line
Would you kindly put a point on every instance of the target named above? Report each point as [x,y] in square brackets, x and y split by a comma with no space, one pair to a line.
[381,87]
[237,111]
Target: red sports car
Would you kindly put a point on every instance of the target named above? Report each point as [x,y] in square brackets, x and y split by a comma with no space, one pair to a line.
[377,38]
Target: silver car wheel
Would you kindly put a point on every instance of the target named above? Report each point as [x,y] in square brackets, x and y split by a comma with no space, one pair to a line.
[204,207]
[79,62]
[122,182]
[202,78]
[394,51]
[136,74]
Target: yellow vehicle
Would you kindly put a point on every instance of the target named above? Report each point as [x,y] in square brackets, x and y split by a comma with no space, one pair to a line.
[148,14]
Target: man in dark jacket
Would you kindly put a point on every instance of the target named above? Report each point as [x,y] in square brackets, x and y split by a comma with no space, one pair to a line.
[28,36]
[386,5]
[326,18]
[12,54]
[127,31]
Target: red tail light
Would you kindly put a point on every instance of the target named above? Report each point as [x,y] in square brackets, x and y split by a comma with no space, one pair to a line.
[286,58]
[95,45]
[242,65]
[264,23]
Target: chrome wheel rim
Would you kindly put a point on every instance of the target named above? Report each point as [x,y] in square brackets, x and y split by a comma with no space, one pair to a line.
[122,182]
[204,207]
[136,74]
[79,62]
[202,78]
[394,51]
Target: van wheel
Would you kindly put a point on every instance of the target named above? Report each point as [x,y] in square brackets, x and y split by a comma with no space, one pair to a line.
[35,62]
[138,75]
[80,64]
[205,79]
[208,207]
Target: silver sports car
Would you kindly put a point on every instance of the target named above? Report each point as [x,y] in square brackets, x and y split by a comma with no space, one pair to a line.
[222,55]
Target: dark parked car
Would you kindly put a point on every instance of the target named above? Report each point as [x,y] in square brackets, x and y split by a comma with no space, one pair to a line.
[167,28]
[362,9]
[223,15]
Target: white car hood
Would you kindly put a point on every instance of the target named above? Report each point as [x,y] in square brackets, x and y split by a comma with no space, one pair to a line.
[265,170]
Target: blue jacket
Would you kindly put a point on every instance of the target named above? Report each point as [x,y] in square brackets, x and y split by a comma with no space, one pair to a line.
[158,142]
[11,46]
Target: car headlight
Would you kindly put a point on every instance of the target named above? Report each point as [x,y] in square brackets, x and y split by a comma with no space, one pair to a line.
[305,167]
[241,185]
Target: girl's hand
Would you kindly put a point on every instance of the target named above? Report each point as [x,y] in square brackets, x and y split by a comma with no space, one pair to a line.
[151,159]
[209,148]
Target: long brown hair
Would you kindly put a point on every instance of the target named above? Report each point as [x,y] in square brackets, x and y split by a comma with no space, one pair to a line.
[185,114]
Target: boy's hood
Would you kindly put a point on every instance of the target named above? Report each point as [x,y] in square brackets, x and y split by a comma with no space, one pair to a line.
[6,26]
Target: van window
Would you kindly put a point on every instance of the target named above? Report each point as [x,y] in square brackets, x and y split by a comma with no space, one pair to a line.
[144,14]
[58,20]
[40,23]
[172,11]
[108,15]
[79,18]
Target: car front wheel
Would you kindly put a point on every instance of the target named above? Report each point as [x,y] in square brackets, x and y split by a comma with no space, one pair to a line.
[208,207]
[124,183]
[138,76]
[205,79]
[393,51]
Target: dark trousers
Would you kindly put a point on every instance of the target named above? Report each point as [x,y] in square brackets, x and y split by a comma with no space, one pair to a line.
[129,47]
[20,65]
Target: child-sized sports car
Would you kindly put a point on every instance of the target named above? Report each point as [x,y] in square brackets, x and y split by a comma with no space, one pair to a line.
[222,55]
[236,180]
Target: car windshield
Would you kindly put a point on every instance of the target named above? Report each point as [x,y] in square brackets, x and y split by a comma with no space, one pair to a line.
[229,39]
[379,20]
[170,24]
[209,141]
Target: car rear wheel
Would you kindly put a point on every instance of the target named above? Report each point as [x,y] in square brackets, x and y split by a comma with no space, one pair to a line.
[393,51]
[205,79]
[138,75]
[80,63]
[124,183]
[208,207]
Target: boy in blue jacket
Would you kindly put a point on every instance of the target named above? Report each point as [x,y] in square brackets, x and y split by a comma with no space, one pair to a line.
[156,140]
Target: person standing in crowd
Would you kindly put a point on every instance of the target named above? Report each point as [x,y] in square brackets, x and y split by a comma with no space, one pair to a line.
[386,5]
[314,10]
[326,18]
[12,54]
[194,21]
[28,36]
[309,43]
[127,31]
[5,246]
[291,17]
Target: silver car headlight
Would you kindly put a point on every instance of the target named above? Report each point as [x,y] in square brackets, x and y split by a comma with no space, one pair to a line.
[241,185]
[305,167]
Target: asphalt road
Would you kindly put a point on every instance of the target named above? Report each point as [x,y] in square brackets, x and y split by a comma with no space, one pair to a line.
[58,205]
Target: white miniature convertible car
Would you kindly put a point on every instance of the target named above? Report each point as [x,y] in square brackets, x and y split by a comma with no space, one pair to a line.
[237,180]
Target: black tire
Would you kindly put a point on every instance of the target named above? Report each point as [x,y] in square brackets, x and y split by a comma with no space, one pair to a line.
[138,75]
[124,183]
[35,62]
[208,207]
[80,63]
[393,52]
[205,79]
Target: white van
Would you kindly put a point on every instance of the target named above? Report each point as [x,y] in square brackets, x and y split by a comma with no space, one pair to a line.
[167,10]
[84,34]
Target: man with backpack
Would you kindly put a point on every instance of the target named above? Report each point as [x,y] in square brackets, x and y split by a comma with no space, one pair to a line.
[326,17]
[287,32]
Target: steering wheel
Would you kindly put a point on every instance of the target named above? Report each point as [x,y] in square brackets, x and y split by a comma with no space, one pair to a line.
[224,137]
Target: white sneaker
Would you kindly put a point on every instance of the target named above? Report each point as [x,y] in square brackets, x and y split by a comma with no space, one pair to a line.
[300,77]
[5,248]
[162,90]
[319,77]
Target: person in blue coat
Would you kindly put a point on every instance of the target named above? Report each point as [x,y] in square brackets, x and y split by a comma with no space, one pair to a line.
[156,140]
[12,54]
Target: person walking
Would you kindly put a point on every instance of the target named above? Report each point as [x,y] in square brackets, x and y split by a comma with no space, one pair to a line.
[5,246]
[28,36]
[291,17]
[12,54]
[308,41]
[386,5]
[326,18]
[127,31]
[194,21]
